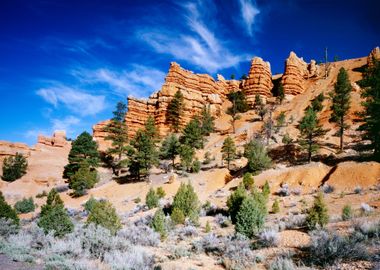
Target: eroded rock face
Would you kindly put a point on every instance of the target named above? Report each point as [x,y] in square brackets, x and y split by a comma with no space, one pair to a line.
[198,90]
[10,149]
[259,80]
[58,139]
[374,54]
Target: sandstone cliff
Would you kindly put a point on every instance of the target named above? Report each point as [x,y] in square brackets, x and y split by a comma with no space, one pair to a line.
[374,54]
[58,139]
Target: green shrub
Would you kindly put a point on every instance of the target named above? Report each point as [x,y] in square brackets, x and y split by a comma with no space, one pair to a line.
[151,199]
[83,179]
[248,181]
[25,205]
[90,203]
[207,158]
[250,218]
[7,212]
[186,200]
[14,167]
[276,207]
[196,166]
[54,216]
[158,223]
[177,216]
[257,156]
[104,214]
[266,189]
[42,194]
[160,193]
[317,214]
[208,227]
[347,212]
[234,202]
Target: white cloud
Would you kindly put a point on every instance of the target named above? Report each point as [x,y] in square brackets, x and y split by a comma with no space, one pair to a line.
[75,100]
[66,123]
[139,81]
[202,47]
[249,11]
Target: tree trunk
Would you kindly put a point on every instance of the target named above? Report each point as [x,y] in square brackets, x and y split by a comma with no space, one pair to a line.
[341,133]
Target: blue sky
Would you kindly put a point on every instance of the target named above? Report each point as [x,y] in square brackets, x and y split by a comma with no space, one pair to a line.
[65,64]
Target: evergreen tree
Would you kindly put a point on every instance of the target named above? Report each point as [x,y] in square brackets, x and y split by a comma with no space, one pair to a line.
[257,156]
[276,206]
[54,216]
[177,216]
[248,181]
[207,121]
[235,200]
[186,200]
[280,121]
[266,189]
[7,212]
[104,214]
[151,130]
[25,205]
[258,101]
[14,167]
[268,127]
[83,179]
[259,106]
[84,150]
[341,98]
[310,130]
[158,223]
[186,154]
[170,148]
[371,114]
[151,199]
[117,132]
[192,134]
[316,103]
[317,214]
[229,151]
[174,111]
[281,93]
[239,105]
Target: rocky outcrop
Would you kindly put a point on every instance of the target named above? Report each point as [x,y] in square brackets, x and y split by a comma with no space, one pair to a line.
[198,90]
[10,149]
[374,54]
[297,71]
[259,81]
[58,139]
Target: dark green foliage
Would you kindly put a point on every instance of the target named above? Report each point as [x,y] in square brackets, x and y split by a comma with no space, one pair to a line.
[196,166]
[160,193]
[186,154]
[207,158]
[244,77]
[84,150]
[239,105]
[207,121]
[90,203]
[259,106]
[248,181]
[117,132]
[275,207]
[347,212]
[234,202]
[174,111]
[177,216]
[371,114]
[266,190]
[83,179]
[54,216]
[281,94]
[151,199]
[317,215]
[158,223]
[104,214]
[207,227]
[25,205]
[316,103]
[192,134]
[186,200]
[251,217]
[229,150]
[286,139]
[7,212]
[258,101]
[170,148]
[280,120]
[341,99]
[257,156]
[310,130]
[232,76]
[143,154]
[150,129]
[14,167]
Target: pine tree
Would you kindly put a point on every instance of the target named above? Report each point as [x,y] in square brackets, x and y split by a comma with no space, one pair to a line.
[229,151]
[316,103]
[83,179]
[341,97]
[280,121]
[317,214]
[207,121]
[151,199]
[258,101]
[83,150]
[248,181]
[310,130]
[104,214]
[186,200]
[371,114]
[260,108]
[186,154]
[54,216]
[158,223]
[150,129]
[257,156]
[117,132]
[239,105]
[14,167]
[170,148]
[192,134]
[174,111]
[281,93]
[7,212]
[235,200]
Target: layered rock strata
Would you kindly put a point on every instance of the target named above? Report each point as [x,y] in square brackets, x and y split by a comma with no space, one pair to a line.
[58,139]
[374,54]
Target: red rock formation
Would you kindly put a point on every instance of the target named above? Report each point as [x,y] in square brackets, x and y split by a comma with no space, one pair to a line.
[374,54]
[295,74]
[10,149]
[259,80]
[58,139]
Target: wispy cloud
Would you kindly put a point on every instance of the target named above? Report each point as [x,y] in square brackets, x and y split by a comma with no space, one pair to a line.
[249,11]
[138,80]
[75,100]
[66,123]
[200,46]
